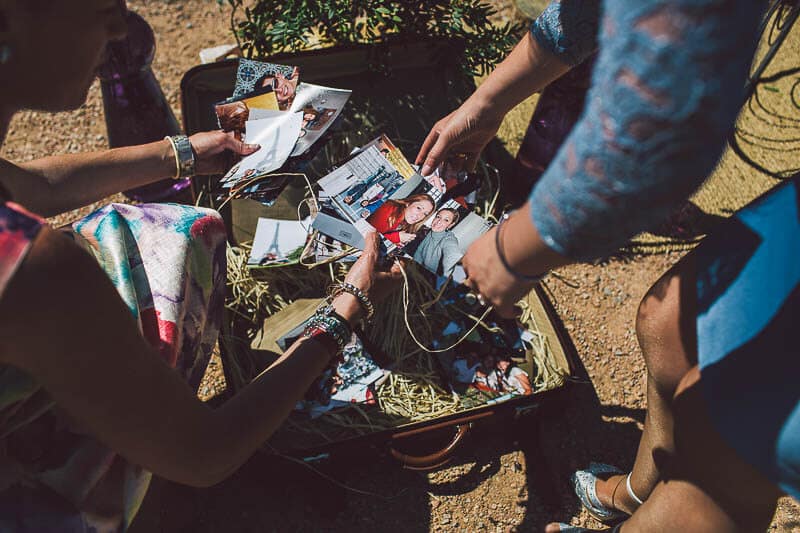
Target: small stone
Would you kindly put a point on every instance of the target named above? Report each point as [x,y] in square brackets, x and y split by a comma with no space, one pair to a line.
[189,25]
[445,519]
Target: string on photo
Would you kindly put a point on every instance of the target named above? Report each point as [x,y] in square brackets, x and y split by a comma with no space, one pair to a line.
[237,189]
[406,303]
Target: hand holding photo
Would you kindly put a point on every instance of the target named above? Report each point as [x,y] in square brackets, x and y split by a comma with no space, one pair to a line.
[276,136]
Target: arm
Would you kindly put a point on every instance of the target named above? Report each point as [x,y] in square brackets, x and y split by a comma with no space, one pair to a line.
[562,37]
[55,184]
[656,120]
[665,94]
[94,362]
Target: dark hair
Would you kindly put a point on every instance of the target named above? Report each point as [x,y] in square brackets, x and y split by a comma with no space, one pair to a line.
[456,216]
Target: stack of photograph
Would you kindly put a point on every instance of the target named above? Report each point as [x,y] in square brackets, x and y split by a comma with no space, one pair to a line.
[438,352]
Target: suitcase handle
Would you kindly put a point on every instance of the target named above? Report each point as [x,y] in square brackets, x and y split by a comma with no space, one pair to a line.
[434,460]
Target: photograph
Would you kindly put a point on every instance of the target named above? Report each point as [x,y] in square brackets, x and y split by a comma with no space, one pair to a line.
[277,136]
[352,381]
[320,107]
[362,183]
[428,220]
[265,189]
[399,220]
[233,114]
[278,242]
[281,79]
[500,373]
[322,248]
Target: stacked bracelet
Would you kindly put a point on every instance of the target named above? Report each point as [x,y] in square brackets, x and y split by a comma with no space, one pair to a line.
[184,156]
[326,320]
[349,288]
[520,277]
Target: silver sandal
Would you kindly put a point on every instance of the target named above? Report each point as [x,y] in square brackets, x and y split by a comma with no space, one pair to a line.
[585,481]
[568,528]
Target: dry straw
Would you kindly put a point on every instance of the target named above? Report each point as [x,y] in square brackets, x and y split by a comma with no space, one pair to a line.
[409,322]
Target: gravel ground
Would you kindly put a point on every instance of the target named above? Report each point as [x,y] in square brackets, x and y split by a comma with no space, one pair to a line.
[505,478]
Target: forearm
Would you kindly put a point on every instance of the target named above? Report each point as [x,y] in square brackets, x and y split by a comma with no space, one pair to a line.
[523,246]
[528,69]
[60,183]
[249,419]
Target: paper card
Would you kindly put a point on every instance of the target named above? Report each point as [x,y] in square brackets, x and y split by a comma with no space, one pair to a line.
[278,242]
[276,136]
[320,107]
[233,113]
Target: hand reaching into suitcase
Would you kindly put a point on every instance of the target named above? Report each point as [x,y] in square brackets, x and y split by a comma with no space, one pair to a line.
[375,284]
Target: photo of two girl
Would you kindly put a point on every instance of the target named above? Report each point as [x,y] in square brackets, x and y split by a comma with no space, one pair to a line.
[415,215]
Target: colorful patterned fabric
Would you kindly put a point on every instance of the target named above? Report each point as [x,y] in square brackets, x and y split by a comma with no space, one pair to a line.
[168,264]
[18,228]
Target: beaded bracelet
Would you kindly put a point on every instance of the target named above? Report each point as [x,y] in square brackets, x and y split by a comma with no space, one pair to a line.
[520,277]
[349,288]
[328,320]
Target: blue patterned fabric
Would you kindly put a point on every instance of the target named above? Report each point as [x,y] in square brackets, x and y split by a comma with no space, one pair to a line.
[748,298]
[665,93]
[568,29]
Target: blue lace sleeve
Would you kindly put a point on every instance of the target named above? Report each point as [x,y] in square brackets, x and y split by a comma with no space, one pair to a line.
[568,29]
[666,90]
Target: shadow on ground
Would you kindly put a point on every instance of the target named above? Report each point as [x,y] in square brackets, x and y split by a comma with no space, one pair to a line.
[274,494]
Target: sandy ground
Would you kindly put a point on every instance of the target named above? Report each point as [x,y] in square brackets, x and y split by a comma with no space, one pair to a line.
[506,478]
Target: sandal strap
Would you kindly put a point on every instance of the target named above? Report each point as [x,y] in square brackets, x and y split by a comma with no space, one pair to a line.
[585,481]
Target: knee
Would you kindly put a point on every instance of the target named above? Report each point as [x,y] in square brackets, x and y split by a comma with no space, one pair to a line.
[660,335]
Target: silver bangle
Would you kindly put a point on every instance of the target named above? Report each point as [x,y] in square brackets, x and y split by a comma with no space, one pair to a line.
[184,156]
[349,288]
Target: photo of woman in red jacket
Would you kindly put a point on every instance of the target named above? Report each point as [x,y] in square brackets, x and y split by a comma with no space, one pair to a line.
[399,220]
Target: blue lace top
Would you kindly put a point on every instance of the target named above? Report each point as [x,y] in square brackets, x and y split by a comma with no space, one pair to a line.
[666,89]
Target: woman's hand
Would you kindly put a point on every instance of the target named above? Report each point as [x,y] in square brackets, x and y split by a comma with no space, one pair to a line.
[375,284]
[464,133]
[525,253]
[487,276]
[210,149]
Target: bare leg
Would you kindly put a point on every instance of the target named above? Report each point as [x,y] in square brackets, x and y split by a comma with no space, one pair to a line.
[665,329]
[706,486]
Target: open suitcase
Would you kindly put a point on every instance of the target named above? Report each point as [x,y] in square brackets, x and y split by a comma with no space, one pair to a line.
[400,89]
